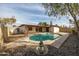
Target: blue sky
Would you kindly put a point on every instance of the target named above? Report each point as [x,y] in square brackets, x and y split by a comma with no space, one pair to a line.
[30,14]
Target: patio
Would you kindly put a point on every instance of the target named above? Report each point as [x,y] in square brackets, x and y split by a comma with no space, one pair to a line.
[26,41]
[67,48]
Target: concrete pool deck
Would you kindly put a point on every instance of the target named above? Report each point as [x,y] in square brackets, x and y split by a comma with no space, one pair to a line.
[61,40]
[21,42]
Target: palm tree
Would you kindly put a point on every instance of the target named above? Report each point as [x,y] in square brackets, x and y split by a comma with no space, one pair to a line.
[64,9]
[4,28]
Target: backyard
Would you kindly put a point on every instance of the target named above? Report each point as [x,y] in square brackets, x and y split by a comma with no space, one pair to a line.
[26,34]
[69,47]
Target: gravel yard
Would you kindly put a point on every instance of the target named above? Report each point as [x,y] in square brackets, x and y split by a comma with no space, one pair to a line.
[68,48]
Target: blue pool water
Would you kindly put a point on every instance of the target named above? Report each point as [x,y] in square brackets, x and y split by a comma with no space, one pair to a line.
[43,37]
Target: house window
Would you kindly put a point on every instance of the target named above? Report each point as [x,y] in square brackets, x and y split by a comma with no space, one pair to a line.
[40,29]
[47,29]
[30,28]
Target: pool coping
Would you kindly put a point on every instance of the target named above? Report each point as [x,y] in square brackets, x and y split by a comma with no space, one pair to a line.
[60,41]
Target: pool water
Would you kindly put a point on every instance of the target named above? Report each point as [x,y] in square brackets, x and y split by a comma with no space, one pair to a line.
[43,37]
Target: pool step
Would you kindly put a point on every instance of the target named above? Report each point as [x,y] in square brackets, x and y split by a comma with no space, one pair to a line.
[60,41]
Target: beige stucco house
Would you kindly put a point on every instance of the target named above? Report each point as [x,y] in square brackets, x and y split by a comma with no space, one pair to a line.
[29,29]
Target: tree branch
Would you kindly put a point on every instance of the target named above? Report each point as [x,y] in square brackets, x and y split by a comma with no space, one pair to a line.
[73,15]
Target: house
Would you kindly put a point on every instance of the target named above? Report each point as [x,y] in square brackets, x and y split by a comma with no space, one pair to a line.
[30,29]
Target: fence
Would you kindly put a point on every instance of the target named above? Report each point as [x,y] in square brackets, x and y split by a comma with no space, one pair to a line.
[64,29]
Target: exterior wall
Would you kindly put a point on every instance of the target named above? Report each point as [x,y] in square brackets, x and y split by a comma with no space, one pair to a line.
[56,29]
[26,29]
[43,29]
[34,29]
[51,30]
[22,29]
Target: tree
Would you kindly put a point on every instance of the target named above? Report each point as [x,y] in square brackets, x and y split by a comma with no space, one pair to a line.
[40,23]
[43,23]
[78,22]
[64,9]
[4,22]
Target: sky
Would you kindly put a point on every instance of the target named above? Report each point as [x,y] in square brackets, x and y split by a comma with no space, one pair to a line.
[30,13]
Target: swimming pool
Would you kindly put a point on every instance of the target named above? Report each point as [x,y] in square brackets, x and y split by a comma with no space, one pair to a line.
[43,37]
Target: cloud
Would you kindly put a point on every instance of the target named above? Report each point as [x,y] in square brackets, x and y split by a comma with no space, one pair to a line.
[28,13]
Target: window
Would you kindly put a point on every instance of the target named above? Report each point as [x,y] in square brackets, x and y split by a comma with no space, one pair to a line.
[30,28]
